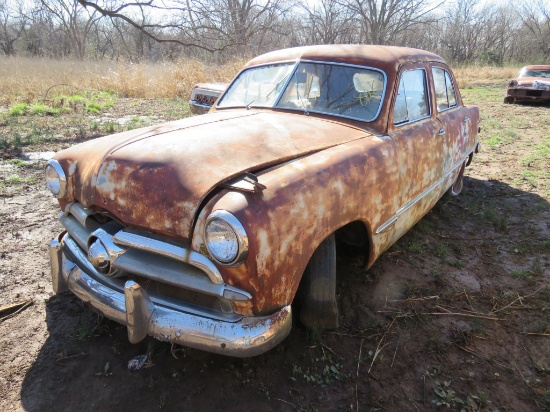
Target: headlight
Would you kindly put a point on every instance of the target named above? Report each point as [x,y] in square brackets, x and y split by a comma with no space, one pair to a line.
[56,179]
[226,238]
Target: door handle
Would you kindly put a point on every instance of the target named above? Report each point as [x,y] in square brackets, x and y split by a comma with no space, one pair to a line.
[441,132]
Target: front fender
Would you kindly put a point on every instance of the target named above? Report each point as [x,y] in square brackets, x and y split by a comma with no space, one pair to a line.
[305,200]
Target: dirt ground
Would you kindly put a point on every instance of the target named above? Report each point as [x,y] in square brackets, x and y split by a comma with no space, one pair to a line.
[455,316]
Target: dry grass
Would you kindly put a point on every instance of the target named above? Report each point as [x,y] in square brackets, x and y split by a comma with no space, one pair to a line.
[28,80]
[484,75]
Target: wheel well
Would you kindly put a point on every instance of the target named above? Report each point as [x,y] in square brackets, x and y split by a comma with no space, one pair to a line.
[354,237]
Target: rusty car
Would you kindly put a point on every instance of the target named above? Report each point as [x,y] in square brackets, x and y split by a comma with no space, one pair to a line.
[204,231]
[204,95]
[532,85]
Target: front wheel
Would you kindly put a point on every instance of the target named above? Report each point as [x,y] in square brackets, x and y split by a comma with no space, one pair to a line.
[318,298]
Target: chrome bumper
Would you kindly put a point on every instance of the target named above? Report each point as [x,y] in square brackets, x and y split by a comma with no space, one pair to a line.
[249,336]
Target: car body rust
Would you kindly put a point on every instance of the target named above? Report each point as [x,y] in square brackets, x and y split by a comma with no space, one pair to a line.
[318,173]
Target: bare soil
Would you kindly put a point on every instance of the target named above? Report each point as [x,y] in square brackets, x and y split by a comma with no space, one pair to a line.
[456,315]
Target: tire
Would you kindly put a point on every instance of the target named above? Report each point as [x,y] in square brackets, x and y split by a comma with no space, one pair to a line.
[318,288]
[458,184]
[508,100]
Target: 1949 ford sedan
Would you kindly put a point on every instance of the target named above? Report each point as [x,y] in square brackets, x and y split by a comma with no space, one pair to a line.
[203,231]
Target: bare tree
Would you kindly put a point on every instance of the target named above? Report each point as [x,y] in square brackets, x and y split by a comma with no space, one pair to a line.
[383,20]
[13,22]
[536,18]
[328,22]
[75,22]
[210,25]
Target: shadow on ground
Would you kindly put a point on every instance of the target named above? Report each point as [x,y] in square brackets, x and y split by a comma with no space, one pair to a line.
[471,255]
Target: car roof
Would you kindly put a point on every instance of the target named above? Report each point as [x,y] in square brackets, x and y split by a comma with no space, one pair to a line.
[537,67]
[364,55]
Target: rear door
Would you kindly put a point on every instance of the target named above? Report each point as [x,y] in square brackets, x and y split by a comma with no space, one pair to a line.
[452,116]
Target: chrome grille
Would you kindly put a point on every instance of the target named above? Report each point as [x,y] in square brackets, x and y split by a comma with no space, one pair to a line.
[174,275]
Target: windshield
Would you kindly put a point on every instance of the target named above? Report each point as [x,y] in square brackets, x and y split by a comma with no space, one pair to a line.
[259,86]
[544,73]
[346,91]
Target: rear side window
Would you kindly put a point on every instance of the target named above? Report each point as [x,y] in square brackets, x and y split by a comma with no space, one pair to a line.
[444,89]
[411,103]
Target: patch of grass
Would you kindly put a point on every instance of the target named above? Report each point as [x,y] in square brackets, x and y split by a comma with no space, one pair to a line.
[493,141]
[511,133]
[18,109]
[110,127]
[498,219]
[520,274]
[18,163]
[93,107]
[15,179]
[41,109]
[534,270]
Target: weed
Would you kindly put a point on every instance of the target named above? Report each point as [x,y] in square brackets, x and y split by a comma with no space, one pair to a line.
[546,244]
[446,396]
[440,250]
[83,333]
[415,246]
[323,371]
[150,382]
[162,400]
[536,268]
[116,347]
[456,263]
[314,334]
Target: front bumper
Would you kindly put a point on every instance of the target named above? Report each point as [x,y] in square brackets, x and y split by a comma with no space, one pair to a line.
[249,336]
[528,95]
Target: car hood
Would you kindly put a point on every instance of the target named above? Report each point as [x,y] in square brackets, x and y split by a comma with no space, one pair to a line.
[532,81]
[157,177]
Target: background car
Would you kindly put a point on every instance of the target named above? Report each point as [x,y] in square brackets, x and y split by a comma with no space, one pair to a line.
[205,231]
[204,95]
[532,85]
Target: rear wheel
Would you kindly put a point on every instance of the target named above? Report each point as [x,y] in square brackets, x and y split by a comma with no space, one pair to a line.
[458,184]
[318,288]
